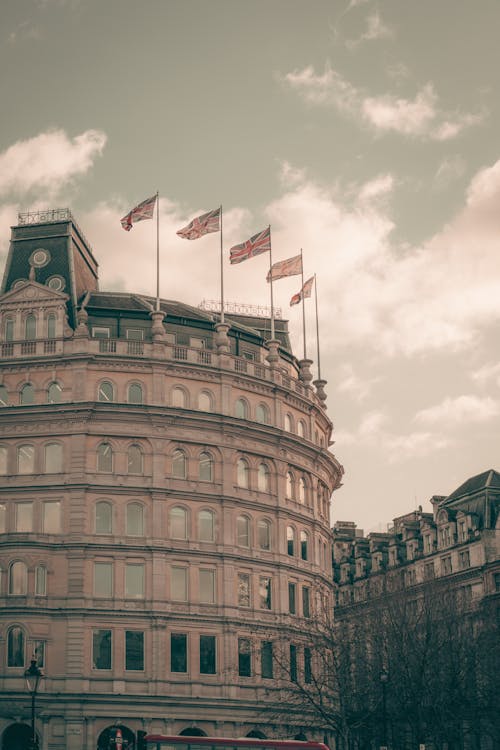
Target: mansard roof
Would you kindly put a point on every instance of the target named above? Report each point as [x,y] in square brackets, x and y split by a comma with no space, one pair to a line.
[487,480]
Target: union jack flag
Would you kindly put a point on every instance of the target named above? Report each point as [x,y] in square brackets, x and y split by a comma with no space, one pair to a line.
[203,224]
[143,211]
[304,292]
[288,267]
[259,243]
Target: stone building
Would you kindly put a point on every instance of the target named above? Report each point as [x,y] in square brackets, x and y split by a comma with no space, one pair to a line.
[164,506]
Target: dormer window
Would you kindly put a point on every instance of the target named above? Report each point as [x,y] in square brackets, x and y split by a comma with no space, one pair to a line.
[445,536]
[427,544]
[462,531]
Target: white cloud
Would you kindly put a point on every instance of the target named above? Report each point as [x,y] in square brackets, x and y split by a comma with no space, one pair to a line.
[487,374]
[379,187]
[406,116]
[460,410]
[349,382]
[49,161]
[375,29]
[327,88]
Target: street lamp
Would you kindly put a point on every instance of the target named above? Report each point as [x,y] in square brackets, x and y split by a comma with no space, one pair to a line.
[33,675]
[384,678]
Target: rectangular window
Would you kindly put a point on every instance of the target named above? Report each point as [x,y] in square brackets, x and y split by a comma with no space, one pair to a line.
[178,652]
[243,590]
[134,650]
[266,659]
[100,332]
[446,565]
[307,665]
[39,653]
[134,334]
[24,517]
[265,592]
[428,571]
[101,649]
[178,584]
[464,559]
[427,544]
[244,657]
[293,663]
[462,531]
[306,601]
[51,517]
[207,586]
[41,581]
[207,654]
[103,579]
[134,581]
[291,598]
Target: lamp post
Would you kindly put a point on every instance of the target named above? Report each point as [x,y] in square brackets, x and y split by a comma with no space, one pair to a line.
[33,675]
[384,678]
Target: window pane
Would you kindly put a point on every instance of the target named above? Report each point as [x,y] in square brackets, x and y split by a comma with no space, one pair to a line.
[105,392]
[206,525]
[26,459]
[205,467]
[135,393]
[135,526]
[53,458]
[3,460]
[301,430]
[24,517]
[262,414]
[207,654]
[103,518]
[41,581]
[306,601]
[178,584]
[263,478]
[27,394]
[104,458]
[51,517]
[240,409]
[134,650]
[290,541]
[244,657]
[293,663]
[291,598]
[134,460]
[39,653]
[134,580]
[103,579]
[265,592]
[178,523]
[54,394]
[307,665]
[15,648]
[30,327]
[4,396]
[101,649]
[302,490]
[51,326]
[9,330]
[242,529]
[243,590]
[264,529]
[289,485]
[242,473]
[178,652]
[207,586]
[178,398]
[178,465]
[266,659]
[18,579]
[303,545]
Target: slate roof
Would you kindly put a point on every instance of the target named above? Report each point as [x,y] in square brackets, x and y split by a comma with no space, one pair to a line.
[488,480]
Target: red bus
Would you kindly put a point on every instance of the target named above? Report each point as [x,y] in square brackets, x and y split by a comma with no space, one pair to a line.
[167,742]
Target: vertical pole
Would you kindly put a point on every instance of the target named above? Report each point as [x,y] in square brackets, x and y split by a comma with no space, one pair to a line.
[221,273]
[384,715]
[270,271]
[33,728]
[157,249]
[303,305]
[317,324]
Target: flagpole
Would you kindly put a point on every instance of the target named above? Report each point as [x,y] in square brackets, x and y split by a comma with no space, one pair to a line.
[317,324]
[221,272]
[271,273]
[157,249]
[303,305]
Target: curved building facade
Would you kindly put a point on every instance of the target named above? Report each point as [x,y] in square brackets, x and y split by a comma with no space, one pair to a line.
[164,507]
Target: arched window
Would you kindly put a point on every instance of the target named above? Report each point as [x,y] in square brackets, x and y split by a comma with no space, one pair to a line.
[263,478]
[243,531]
[26,459]
[53,463]
[179,397]
[290,485]
[18,578]
[105,458]
[241,409]
[290,541]
[134,460]
[242,473]
[179,464]
[30,327]
[15,647]
[178,523]
[205,467]
[205,401]
[51,326]
[54,393]
[302,490]
[264,534]
[27,395]
[9,329]
[103,517]
[206,526]
[41,580]
[4,396]
[288,423]
[304,539]
[105,391]
[262,414]
[135,519]
[301,428]
[135,393]
[3,460]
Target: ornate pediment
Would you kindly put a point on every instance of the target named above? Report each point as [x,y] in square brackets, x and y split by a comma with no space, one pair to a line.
[30,293]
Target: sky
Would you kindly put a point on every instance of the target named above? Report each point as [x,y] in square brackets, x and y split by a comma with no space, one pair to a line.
[364,132]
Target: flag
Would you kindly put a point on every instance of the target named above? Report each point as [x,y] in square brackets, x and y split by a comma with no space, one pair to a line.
[203,224]
[143,211]
[304,292]
[259,243]
[288,267]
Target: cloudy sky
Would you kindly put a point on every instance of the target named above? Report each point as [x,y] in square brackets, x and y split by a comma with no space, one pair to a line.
[365,132]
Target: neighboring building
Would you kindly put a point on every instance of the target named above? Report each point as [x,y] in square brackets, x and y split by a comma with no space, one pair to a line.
[164,505]
[429,585]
